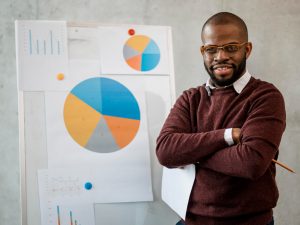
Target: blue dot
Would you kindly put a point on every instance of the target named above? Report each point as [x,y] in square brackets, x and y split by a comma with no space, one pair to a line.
[88,186]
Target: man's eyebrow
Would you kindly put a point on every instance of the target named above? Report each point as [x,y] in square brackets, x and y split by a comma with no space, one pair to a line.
[234,42]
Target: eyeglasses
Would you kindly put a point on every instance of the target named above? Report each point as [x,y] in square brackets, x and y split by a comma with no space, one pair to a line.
[228,48]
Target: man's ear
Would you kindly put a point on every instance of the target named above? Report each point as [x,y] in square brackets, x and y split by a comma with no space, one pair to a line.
[248,49]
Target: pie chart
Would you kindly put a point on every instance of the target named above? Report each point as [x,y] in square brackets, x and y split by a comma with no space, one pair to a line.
[141,53]
[101,115]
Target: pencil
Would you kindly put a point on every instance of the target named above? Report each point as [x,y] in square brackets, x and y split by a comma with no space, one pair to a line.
[283,166]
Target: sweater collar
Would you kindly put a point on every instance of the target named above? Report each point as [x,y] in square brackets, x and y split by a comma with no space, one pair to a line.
[238,85]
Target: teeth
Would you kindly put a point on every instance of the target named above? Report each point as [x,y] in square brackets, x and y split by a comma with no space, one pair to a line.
[222,68]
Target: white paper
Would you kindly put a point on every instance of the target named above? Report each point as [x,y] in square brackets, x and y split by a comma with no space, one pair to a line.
[126,170]
[63,151]
[108,184]
[81,69]
[177,184]
[113,40]
[83,43]
[42,54]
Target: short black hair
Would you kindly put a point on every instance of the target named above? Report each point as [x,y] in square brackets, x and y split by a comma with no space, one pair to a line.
[224,18]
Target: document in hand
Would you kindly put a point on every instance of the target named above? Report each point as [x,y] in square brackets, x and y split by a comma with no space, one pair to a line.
[177,184]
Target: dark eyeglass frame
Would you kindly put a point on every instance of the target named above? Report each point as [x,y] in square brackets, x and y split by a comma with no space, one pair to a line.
[204,48]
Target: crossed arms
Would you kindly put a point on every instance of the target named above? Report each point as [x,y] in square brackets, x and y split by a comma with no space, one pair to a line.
[256,142]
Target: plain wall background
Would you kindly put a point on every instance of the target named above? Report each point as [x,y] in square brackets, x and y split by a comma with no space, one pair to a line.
[274,29]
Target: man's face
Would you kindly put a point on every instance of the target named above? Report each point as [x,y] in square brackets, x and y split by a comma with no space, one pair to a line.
[225,67]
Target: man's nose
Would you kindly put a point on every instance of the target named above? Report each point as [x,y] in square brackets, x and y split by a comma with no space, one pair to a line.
[220,55]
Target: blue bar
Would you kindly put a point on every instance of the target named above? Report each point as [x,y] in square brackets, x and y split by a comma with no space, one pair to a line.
[71,218]
[58,216]
[44,47]
[30,43]
[51,41]
[37,47]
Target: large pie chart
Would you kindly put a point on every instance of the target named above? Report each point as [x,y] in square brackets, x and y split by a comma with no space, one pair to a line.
[101,115]
[141,53]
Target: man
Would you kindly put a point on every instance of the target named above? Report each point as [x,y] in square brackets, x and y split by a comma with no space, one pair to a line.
[230,128]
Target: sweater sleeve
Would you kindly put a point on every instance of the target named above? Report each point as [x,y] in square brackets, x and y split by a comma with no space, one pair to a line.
[177,143]
[260,138]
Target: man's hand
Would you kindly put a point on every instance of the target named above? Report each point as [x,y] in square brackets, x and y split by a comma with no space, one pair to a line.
[236,133]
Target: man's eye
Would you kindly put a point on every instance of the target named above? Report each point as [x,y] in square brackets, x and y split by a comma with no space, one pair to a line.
[231,48]
[211,49]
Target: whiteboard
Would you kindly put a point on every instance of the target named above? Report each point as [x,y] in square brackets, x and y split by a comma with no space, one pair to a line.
[160,95]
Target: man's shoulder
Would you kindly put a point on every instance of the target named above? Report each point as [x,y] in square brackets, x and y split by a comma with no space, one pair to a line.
[194,91]
[263,91]
[259,85]
[192,95]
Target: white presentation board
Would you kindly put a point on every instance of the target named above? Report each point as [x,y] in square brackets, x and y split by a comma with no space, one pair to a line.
[92,100]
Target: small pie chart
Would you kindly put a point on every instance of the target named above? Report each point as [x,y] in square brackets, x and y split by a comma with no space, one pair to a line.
[141,53]
[101,115]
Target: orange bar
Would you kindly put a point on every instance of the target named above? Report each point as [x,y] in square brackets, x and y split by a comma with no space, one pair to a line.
[58,216]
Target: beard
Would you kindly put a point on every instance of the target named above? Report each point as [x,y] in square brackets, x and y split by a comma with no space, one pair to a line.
[237,73]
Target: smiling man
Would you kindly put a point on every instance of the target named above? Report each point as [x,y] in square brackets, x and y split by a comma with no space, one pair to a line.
[230,128]
[227,66]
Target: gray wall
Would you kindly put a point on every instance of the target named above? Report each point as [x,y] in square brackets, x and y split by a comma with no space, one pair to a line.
[274,28]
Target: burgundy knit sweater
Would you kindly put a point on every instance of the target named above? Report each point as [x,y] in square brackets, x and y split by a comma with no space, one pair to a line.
[234,185]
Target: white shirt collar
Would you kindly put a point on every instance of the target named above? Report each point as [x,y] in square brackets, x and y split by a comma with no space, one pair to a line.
[238,85]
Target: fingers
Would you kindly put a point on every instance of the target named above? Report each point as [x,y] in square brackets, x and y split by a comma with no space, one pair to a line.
[236,135]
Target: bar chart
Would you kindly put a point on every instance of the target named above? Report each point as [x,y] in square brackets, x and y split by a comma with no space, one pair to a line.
[43,46]
[41,40]
[70,214]
[71,221]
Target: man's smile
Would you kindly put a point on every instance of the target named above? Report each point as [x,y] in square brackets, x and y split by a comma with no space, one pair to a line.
[222,69]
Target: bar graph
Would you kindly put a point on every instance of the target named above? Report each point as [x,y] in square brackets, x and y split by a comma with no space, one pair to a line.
[47,43]
[43,50]
[71,215]
[42,38]
[71,221]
